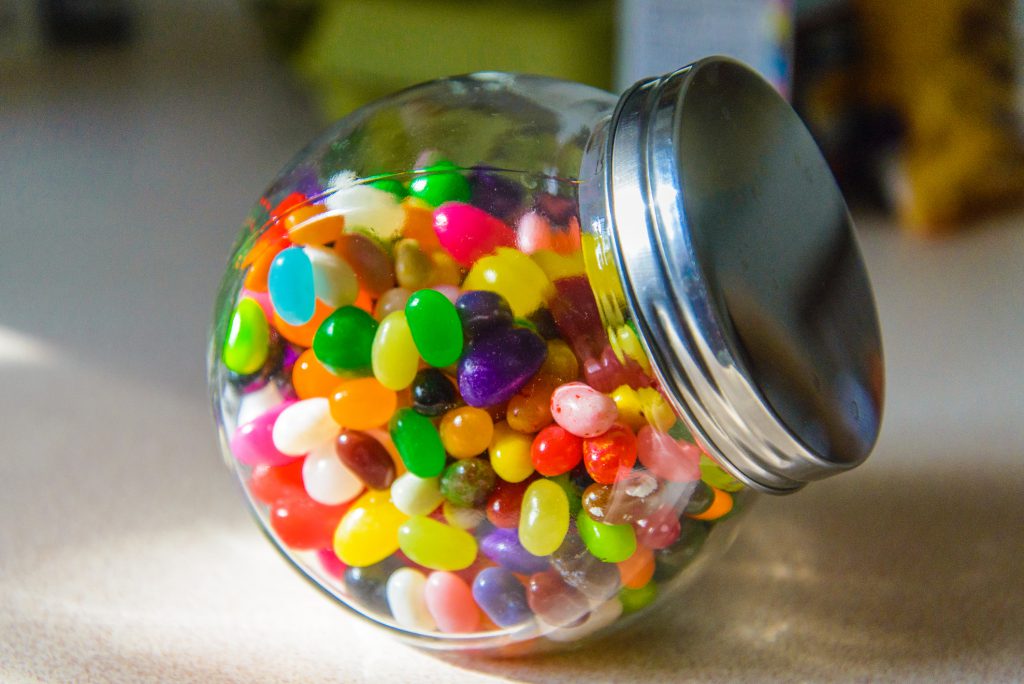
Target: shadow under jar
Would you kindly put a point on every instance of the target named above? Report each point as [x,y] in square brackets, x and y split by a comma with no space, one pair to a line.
[500,359]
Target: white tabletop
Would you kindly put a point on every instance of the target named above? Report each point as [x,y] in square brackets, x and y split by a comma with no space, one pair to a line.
[126,553]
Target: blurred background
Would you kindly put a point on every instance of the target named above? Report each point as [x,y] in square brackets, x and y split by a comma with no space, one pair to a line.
[135,136]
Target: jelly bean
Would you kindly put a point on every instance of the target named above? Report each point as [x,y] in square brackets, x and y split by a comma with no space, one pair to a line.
[405,590]
[502,546]
[362,403]
[368,532]
[327,479]
[312,225]
[667,458]
[714,475]
[344,341]
[673,560]
[701,498]
[419,224]
[334,281]
[390,301]
[495,193]
[247,341]
[610,543]
[468,233]
[444,269]
[433,393]
[291,287]
[554,601]
[627,402]
[466,431]
[261,257]
[629,499]
[582,410]
[468,482]
[610,455]
[311,379]
[543,324]
[270,484]
[418,443]
[253,442]
[367,586]
[368,260]
[435,327]
[390,185]
[557,266]
[572,492]
[544,517]
[514,276]
[442,182]
[272,367]
[637,570]
[435,545]
[481,310]
[393,355]
[331,564]
[658,530]
[530,409]
[498,364]
[720,506]
[302,335]
[261,298]
[501,596]
[303,524]
[656,409]
[555,450]
[365,206]
[462,517]
[626,345]
[366,458]
[415,495]
[600,617]
[505,503]
[451,292]
[450,602]
[580,569]
[637,599]
[413,268]
[534,233]
[509,452]
[304,425]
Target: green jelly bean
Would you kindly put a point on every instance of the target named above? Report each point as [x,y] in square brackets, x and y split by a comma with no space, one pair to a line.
[713,474]
[417,442]
[435,545]
[390,185]
[572,492]
[442,183]
[435,327]
[344,341]
[248,340]
[680,431]
[610,543]
[543,517]
[635,599]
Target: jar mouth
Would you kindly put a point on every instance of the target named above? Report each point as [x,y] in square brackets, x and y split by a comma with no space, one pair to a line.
[737,259]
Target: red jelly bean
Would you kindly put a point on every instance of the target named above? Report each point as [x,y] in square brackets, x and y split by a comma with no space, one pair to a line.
[505,502]
[270,484]
[611,455]
[304,524]
[555,450]
[659,530]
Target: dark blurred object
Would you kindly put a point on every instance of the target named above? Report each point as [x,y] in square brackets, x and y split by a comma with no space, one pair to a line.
[86,22]
[285,24]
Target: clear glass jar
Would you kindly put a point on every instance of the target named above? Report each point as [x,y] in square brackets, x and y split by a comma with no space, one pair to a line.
[493,366]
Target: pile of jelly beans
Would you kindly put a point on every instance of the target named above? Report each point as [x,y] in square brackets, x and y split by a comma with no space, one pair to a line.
[427,404]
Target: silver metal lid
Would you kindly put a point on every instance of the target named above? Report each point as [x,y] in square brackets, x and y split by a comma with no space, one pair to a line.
[738,260]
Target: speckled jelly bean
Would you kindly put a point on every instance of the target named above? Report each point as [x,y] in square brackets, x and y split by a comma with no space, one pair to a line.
[414,495]
[304,425]
[367,585]
[366,458]
[514,276]
[368,532]
[367,207]
[498,364]
[502,546]
[611,454]
[406,596]
[468,482]
[433,393]
[362,404]
[582,410]
[543,518]
[555,450]
[393,355]
[554,601]
[327,479]
[290,283]
[501,596]
[417,442]
[248,338]
[610,543]
[666,457]
[466,431]
[435,327]
[510,455]
[468,233]
[344,341]
[253,442]
[450,602]
[436,545]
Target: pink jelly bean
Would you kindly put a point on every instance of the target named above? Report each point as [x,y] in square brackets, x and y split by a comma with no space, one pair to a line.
[253,443]
[582,410]
[450,602]
[668,458]
[261,298]
[452,292]
[468,233]
[534,233]
[331,564]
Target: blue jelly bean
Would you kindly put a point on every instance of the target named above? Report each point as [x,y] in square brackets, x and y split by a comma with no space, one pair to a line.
[502,546]
[290,283]
[501,596]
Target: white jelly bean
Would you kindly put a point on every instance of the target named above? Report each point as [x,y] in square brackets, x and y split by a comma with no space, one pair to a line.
[416,495]
[326,478]
[368,207]
[406,598]
[334,281]
[255,404]
[304,426]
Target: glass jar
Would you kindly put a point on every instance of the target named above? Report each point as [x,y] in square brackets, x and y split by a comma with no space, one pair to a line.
[500,359]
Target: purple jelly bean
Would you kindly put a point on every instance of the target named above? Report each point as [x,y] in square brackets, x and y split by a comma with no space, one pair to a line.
[482,310]
[498,364]
[502,546]
[495,194]
[501,596]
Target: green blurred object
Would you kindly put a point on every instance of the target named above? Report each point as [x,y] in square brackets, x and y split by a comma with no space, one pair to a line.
[354,52]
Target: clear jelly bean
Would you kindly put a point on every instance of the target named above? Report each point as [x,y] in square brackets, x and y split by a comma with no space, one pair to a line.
[435,327]
[543,518]
[393,356]
[367,585]
[368,532]
[501,596]
[666,457]
[468,233]
[468,482]
[514,276]
[610,455]
[248,339]
[290,283]
[413,268]
[610,543]
[450,602]
[362,404]
[498,364]
[579,568]
[435,545]
[344,341]
[503,547]
[365,206]
[368,260]
[582,410]
[509,452]
[406,595]
[555,450]
[253,442]
[327,479]
[481,310]
[554,601]
[433,393]
[414,495]
[631,498]
[304,425]
[334,281]
[366,458]
[442,182]
[418,443]
[505,503]
[466,431]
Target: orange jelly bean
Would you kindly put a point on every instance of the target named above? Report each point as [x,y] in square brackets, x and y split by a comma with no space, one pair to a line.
[302,335]
[419,224]
[362,404]
[637,570]
[309,225]
[310,378]
[268,246]
[720,505]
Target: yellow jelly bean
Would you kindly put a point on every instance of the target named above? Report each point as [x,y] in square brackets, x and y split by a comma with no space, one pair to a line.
[435,545]
[656,409]
[393,356]
[514,276]
[543,518]
[604,278]
[368,532]
[626,344]
[510,453]
[557,266]
[630,409]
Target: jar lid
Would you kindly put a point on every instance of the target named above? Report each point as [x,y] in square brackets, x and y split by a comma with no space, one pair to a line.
[739,263]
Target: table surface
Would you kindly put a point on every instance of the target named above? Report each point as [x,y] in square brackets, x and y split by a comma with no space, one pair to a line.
[126,553]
